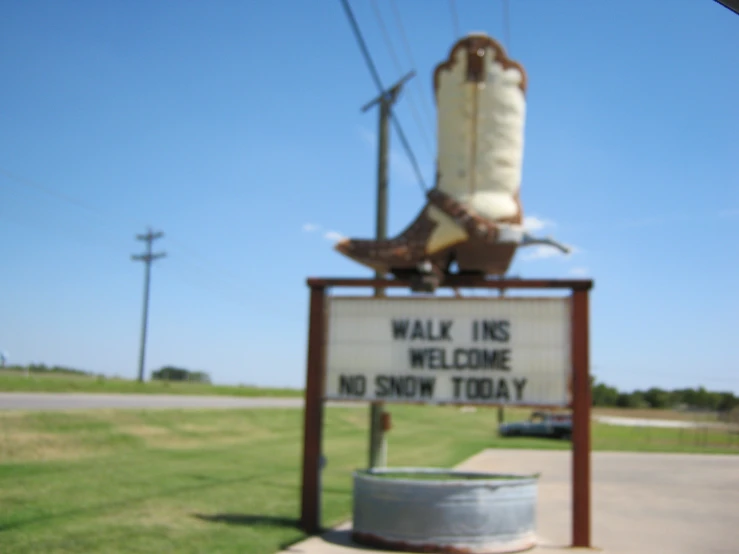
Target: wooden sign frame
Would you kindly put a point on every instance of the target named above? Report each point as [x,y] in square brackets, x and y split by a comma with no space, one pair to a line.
[310,515]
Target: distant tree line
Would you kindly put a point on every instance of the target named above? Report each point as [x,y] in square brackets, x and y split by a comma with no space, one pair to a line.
[42,368]
[695,399]
[170,373]
[166,373]
[602,395]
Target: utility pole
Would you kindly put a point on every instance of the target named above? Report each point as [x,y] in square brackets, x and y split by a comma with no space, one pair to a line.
[386,99]
[147,258]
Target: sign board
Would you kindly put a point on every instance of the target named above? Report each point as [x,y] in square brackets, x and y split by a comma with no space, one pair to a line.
[449,350]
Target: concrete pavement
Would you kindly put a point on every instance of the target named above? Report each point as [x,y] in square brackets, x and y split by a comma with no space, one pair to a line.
[36,401]
[664,423]
[642,503]
[84,401]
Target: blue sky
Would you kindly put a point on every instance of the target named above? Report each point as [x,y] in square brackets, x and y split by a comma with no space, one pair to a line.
[235,127]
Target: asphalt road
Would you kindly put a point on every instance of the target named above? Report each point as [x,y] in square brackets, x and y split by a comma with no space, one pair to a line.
[73,401]
[664,423]
[39,401]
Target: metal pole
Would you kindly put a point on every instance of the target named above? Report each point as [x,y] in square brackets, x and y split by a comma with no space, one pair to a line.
[377,440]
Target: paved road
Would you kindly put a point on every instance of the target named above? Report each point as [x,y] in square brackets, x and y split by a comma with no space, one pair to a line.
[78,401]
[665,423]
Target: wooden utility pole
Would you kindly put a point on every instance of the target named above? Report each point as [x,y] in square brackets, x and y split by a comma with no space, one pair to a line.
[378,443]
[148,257]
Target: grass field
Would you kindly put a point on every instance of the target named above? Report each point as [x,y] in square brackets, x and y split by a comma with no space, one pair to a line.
[223,481]
[14,381]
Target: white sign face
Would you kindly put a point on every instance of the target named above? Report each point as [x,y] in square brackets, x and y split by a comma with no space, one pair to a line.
[449,350]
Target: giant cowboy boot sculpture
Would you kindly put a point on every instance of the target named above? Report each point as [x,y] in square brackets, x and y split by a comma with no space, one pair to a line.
[473,216]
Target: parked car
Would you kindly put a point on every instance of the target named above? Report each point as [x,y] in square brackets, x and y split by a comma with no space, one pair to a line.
[540,424]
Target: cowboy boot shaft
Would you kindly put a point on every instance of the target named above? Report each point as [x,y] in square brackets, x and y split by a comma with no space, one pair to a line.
[473,215]
[481,106]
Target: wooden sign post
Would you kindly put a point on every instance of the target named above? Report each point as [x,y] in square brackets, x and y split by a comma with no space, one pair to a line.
[539,347]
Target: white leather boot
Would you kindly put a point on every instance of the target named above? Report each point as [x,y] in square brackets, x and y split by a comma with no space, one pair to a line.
[474,214]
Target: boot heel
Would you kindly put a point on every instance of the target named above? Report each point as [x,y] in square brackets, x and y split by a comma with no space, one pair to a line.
[478,256]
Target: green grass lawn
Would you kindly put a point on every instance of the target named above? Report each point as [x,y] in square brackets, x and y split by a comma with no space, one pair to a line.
[224,481]
[14,381]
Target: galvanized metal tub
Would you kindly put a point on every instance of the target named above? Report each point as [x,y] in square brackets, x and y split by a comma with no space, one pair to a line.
[440,510]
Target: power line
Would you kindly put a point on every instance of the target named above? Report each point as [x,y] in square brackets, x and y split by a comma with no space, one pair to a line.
[378,82]
[455,19]
[363,46]
[60,229]
[203,284]
[506,26]
[398,67]
[46,190]
[408,52]
[207,279]
[105,218]
[101,241]
[226,289]
[409,152]
[386,35]
[184,273]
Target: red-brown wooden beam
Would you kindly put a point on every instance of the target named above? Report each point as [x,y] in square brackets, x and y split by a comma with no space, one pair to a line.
[458,282]
[580,421]
[310,512]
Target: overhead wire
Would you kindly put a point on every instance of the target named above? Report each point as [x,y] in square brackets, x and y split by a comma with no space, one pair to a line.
[411,156]
[15,178]
[409,54]
[399,68]
[104,218]
[184,275]
[386,36]
[61,229]
[506,26]
[378,82]
[455,19]
[362,45]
